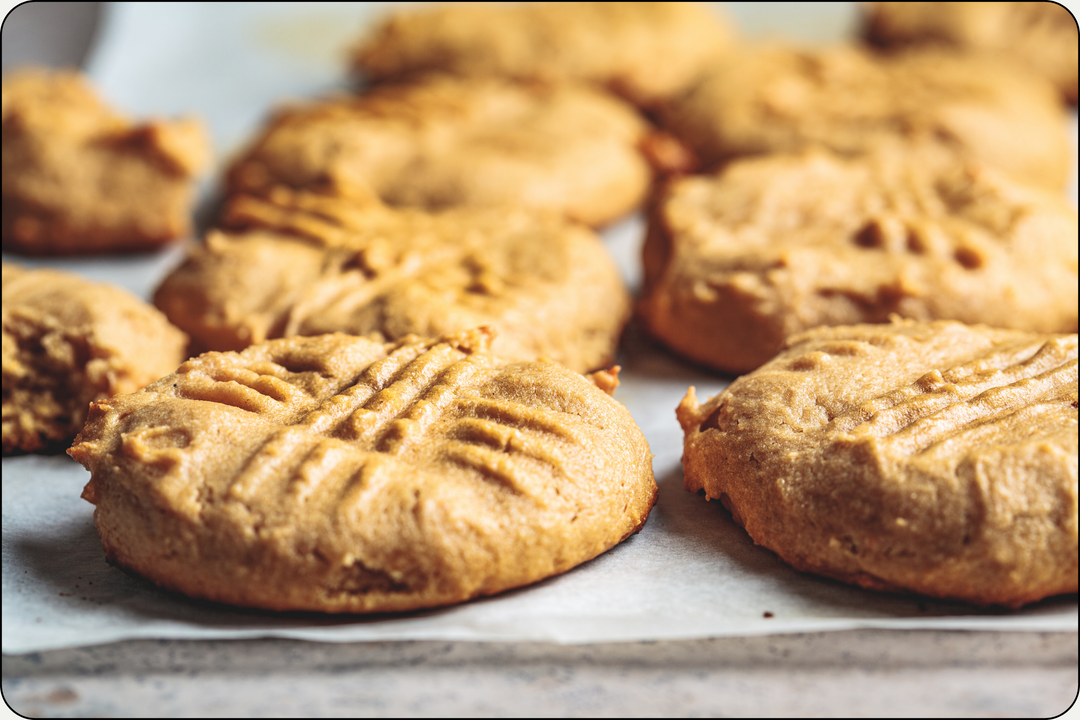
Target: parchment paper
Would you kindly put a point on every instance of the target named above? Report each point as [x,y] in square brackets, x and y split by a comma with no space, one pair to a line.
[690,573]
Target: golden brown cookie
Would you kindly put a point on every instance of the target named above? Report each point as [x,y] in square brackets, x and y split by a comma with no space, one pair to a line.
[68,342]
[81,179]
[337,474]
[937,458]
[300,263]
[776,98]
[1042,35]
[444,142]
[737,261]
[645,51]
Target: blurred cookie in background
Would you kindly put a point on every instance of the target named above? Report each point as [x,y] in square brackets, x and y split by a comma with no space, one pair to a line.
[779,98]
[68,342]
[80,178]
[643,51]
[1041,35]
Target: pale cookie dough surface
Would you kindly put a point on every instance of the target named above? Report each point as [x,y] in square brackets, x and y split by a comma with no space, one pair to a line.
[439,142]
[776,98]
[937,458]
[737,261]
[299,263]
[342,475]
[1041,35]
[68,342]
[644,51]
[80,179]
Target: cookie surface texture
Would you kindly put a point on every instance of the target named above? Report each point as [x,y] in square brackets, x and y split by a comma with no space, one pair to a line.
[341,475]
[440,142]
[300,263]
[643,51]
[776,98]
[81,179]
[937,458]
[737,261]
[68,342]
[1041,35]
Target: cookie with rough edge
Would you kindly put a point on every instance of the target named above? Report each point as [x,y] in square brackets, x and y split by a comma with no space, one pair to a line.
[67,342]
[738,260]
[440,142]
[342,475]
[936,458]
[777,98]
[1041,35]
[644,51]
[306,263]
[80,178]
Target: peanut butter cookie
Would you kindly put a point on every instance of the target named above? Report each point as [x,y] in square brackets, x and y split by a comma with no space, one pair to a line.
[776,98]
[737,261]
[645,51]
[1042,35]
[937,458]
[337,474]
[81,179]
[303,263]
[440,142]
[68,342]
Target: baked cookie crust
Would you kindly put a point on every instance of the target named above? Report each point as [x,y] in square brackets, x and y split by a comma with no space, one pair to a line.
[1041,35]
[737,261]
[937,458]
[778,98]
[337,474]
[304,263]
[67,342]
[440,142]
[644,51]
[81,179]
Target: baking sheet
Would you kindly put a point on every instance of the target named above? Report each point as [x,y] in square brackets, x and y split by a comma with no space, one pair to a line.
[690,573]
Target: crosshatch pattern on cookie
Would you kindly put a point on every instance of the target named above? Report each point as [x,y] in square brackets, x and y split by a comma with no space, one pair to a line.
[334,473]
[301,263]
[947,468]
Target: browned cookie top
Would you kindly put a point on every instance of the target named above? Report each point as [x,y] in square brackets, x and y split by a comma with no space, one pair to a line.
[67,342]
[737,261]
[337,474]
[80,178]
[937,457]
[1041,35]
[776,98]
[440,142]
[645,51]
[300,263]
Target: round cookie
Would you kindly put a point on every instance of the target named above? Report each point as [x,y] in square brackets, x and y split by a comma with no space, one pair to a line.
[644,51]
[737,261]
[68,342]
[337,474]
[1042,35]
[301,263]
[440,142]
[81,179]
[775,98]
[937,458]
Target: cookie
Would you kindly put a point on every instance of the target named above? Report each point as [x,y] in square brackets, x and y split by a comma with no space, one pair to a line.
[81,179]
[776,98]
[1041,35]
[445,142]
[643,51]
[937,458]
[68,342]
[303,263]
[337,474]
[738,260]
